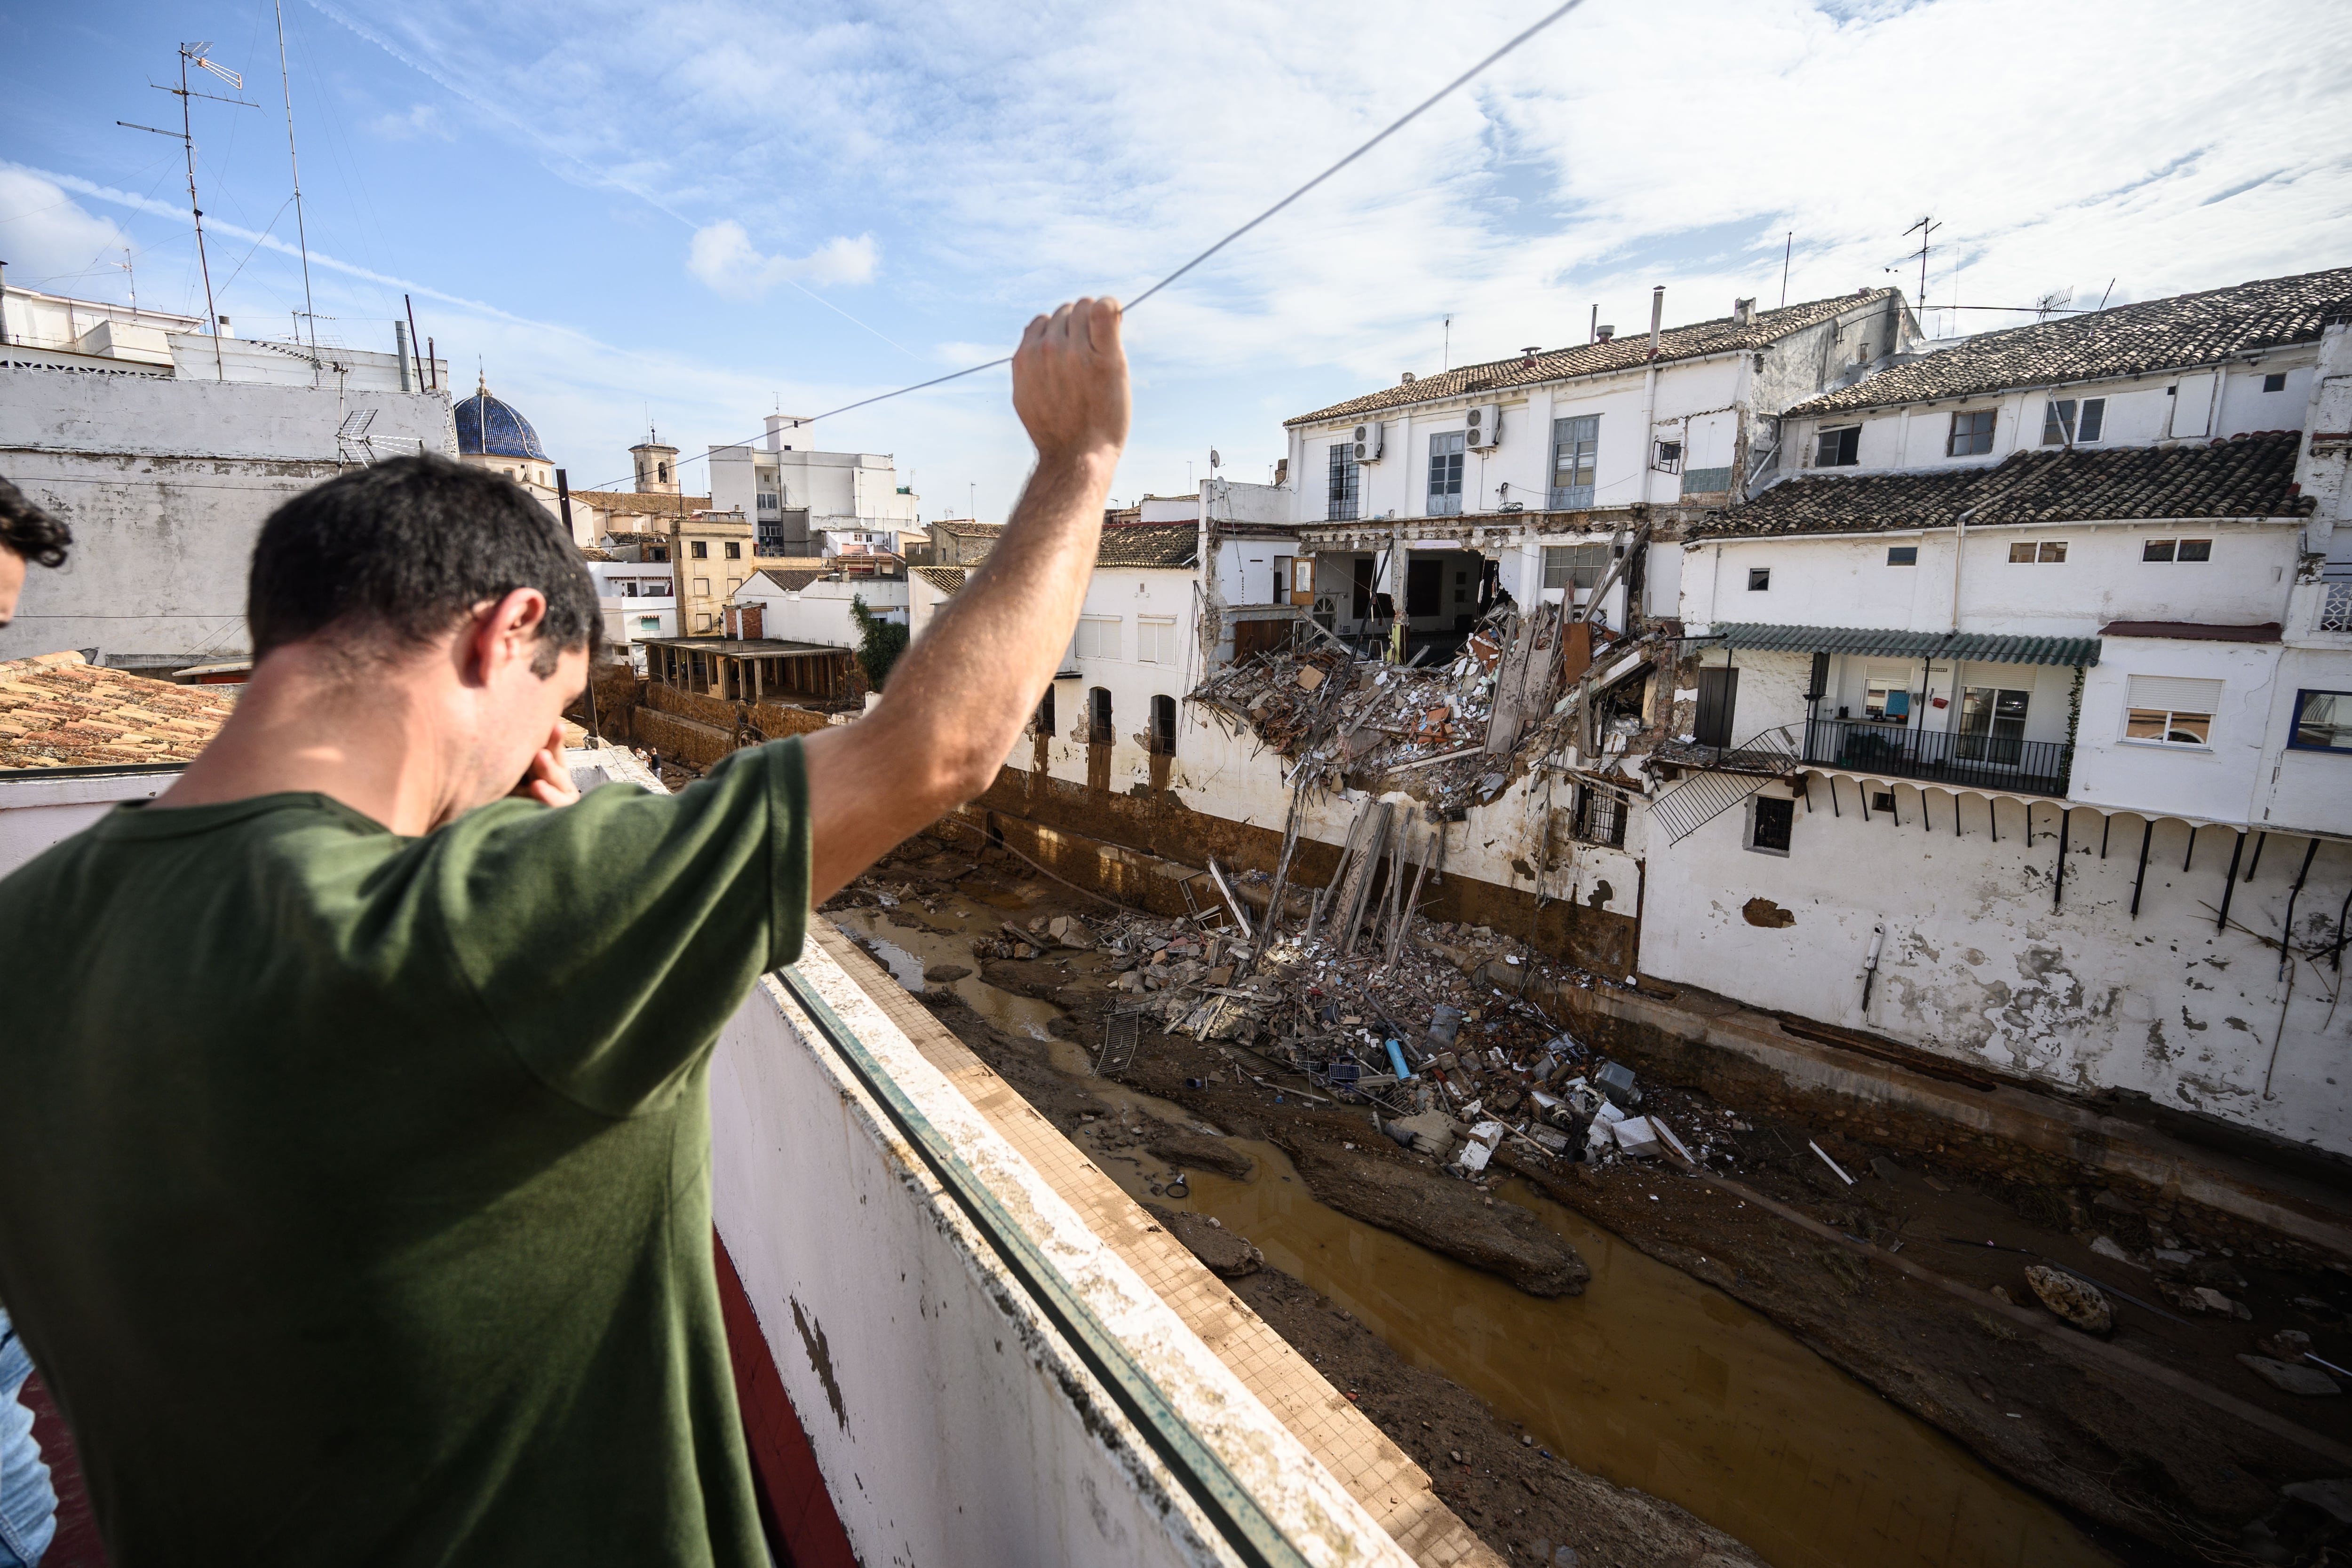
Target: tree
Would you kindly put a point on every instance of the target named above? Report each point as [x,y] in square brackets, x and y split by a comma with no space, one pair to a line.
[879,643]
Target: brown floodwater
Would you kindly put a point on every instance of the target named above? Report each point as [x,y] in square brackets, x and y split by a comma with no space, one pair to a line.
[1651,1378]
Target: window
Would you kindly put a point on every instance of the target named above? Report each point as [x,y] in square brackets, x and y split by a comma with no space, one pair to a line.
[661,471]
[2165,710]
[699,549]
[734,549]
[1971,433]
[1574,566]
[1669,458]
[2028,553]
[2322,722]
[1340,495]
[1281,580]
[1099,637]
[1098,727]
[1760,579]
[1771,820]
[2177,550]
[2274,383]
[1882,800]
[1575,445]
[1839,449]
[2059,425]
[1887,693]
[648,623]
[1155,641]
[628,587]
[1993,724]
[1599,816]
[1445,474]
[1163,727]
[1902,555]
[1044,721]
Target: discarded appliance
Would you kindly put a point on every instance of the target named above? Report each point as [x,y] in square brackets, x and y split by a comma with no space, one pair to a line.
[1615,1080]
[1636,1138]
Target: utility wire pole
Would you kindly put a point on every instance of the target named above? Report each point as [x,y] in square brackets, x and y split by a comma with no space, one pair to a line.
[301,233]
[186,136]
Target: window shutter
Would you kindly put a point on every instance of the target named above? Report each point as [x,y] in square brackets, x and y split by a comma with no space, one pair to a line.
[2171,694]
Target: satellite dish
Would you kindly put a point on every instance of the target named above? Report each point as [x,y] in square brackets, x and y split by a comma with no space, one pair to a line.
[1214,461]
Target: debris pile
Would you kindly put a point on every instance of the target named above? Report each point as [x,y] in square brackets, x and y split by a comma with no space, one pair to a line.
[1524,687]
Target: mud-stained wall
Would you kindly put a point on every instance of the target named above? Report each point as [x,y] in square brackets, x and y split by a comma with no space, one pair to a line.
[1978,965]
[1079,833]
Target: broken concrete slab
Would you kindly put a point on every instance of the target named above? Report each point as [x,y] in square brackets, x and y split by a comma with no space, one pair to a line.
[2288,1378]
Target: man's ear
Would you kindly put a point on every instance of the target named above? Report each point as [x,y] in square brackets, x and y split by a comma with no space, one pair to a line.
[503,632]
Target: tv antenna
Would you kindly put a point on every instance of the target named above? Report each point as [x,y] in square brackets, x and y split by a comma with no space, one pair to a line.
[1922,228]
[197,55]
[131,276]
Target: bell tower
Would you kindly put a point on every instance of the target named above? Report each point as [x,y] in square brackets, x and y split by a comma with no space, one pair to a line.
[657,466]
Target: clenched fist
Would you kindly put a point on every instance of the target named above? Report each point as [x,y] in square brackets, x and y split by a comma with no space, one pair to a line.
[1069,381]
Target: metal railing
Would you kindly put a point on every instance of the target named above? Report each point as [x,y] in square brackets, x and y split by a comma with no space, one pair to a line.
[1969,760]
[1721,777]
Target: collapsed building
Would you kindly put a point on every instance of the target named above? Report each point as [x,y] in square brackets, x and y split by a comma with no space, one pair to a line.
[1775,659]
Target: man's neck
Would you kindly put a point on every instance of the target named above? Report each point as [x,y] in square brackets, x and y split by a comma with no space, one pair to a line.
[304,724]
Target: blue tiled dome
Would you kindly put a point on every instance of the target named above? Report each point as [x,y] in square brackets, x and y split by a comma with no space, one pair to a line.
[488,428]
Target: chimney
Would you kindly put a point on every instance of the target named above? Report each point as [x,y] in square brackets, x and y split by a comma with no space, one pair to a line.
[775,431]
[1603,332]
[1527,362]
[1281,472]
[1657,314]
[1743,312]
[1407,380]
[226,330]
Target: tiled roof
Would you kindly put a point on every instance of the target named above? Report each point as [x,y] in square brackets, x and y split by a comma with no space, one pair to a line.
[1976,647]
[631,501]
[1624,354]
[2245,476]
[957,530]
[2130,340]
[794,579]
[1149,544]
[58,712]
[945,578]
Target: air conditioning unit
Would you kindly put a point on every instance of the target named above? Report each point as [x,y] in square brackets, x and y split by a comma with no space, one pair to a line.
[1485,427]
[1368,442]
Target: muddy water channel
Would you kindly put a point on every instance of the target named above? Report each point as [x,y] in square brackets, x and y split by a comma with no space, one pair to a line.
[1650,1378]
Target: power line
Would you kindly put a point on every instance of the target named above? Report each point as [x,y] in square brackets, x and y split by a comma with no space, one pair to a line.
[1415,112]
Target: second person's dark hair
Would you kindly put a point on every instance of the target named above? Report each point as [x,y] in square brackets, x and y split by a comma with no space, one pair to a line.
[407,547]
[30,531]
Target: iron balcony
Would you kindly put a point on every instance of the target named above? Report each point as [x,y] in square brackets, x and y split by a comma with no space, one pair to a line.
[1966,760]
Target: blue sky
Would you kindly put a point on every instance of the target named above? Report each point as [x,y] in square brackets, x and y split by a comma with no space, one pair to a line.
[696,212]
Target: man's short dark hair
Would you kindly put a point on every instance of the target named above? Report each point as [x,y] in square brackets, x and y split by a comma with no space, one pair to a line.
[406,548]
[30,531]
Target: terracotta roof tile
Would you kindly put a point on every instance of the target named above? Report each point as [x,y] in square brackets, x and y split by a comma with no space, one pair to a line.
[58,712]
[2245,476]
[956,528]
[2172,333]
[1149,544]
[1721,335]
[945,578]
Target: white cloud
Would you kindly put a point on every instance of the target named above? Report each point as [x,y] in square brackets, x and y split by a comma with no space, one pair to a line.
[422,121]
[723,256]
[51,243]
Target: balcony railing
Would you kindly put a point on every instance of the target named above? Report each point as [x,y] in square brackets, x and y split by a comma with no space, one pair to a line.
[1970,761]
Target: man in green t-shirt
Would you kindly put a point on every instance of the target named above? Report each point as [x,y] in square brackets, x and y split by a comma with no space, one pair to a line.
[354,1154]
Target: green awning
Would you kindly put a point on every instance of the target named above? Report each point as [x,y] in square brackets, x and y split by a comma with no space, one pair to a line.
[1975,646]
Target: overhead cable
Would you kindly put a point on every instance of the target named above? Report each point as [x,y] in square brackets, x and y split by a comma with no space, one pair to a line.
[1415,112]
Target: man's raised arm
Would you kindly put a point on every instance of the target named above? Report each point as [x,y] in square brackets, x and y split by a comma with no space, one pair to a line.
[961,694]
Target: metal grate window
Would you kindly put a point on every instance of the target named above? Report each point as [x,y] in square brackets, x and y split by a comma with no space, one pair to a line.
[1575,445]
[1345,482]
[1599,816]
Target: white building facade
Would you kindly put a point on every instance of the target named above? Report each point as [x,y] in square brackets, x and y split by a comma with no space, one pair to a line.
[164,449]
[804,502]
[2042,688]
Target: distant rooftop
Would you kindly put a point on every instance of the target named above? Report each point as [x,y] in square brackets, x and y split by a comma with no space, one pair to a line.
[1627,352]
[56,711]
[2171,333]
[2245,476]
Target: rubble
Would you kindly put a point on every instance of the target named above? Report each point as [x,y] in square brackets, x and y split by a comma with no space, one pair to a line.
[1450,735]
[2071,1298]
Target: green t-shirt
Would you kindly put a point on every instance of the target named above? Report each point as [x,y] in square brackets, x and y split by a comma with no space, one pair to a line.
[355,1189]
